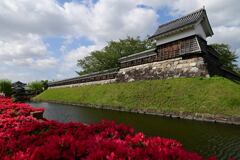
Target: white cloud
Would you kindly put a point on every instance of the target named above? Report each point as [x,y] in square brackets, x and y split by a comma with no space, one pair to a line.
[43,17]
[45,63]
[109,19]
[81,52]
[224,13]
[25,51]
[104,20]
[21,47]
[224,34]
[69,63]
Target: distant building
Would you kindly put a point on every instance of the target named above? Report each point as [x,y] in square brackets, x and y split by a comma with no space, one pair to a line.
[18,87]
[181,51]
[21,91]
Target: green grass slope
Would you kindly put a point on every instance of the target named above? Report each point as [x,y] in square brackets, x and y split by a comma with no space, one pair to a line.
[215,95]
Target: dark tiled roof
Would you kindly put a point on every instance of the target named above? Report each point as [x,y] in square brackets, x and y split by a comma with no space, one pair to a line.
[180,22]
[142,54]
[18,83]
[90,75]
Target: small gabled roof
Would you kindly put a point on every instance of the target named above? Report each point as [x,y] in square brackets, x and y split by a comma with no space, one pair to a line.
[189,19]
[19,83]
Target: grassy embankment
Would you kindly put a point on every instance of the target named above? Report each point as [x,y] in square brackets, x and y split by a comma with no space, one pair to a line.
[195,95]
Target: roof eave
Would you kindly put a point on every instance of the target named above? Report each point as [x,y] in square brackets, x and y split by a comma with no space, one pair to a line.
[208,25]
[174,31]
[203,17]
[136,54]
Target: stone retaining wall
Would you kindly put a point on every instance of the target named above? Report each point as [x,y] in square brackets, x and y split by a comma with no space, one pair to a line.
[173,68]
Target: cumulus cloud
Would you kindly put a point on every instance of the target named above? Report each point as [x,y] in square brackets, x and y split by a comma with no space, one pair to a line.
[105,20]
[224,34]
[224,13]
[45,63]
[25,51]
[21,47]
[109,19]
[69,62]
[80,53]
[25,16]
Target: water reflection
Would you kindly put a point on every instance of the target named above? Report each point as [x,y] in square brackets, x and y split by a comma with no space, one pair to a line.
[205,138]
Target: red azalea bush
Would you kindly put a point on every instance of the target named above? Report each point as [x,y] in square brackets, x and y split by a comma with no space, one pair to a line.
[23,137]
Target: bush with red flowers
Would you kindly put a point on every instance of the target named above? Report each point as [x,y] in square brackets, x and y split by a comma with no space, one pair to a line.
[23,137]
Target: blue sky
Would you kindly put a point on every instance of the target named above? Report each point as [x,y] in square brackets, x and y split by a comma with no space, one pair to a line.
[44,39]
[55,44]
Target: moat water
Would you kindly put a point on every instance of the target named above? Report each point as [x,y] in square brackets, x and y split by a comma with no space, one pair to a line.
[205,138]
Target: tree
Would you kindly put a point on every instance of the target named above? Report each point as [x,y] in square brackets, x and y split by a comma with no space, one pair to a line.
[45,84]
[227,57]
[37,86]
[107,58]
[6,87]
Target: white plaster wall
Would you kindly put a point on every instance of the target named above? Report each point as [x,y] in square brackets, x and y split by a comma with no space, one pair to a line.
[86,83]
[196,30]
[199,31]
[177,36]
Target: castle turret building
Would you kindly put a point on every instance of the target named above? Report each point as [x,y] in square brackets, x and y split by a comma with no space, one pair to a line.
[181,51]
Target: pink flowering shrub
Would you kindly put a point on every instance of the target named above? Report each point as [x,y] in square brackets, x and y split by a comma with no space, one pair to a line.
[23,137]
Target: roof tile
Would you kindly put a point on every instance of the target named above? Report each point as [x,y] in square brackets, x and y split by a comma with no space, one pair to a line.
[180,22]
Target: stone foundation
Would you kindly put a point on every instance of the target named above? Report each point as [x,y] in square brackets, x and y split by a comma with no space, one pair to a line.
[173,68]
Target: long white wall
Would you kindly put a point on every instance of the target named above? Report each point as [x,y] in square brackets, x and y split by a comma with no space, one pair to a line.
[86,83]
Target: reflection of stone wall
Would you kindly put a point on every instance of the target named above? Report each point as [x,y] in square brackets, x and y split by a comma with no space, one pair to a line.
[173,68]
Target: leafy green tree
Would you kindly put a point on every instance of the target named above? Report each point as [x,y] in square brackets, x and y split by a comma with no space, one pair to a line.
[36,86]
[227,57]
[45,84]
[6,87]
[107,58]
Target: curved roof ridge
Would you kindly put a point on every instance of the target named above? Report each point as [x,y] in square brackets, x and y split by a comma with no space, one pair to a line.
[190,14]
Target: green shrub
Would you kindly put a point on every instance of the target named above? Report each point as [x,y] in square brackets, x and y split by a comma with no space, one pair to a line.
[36,86]
[6,87]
